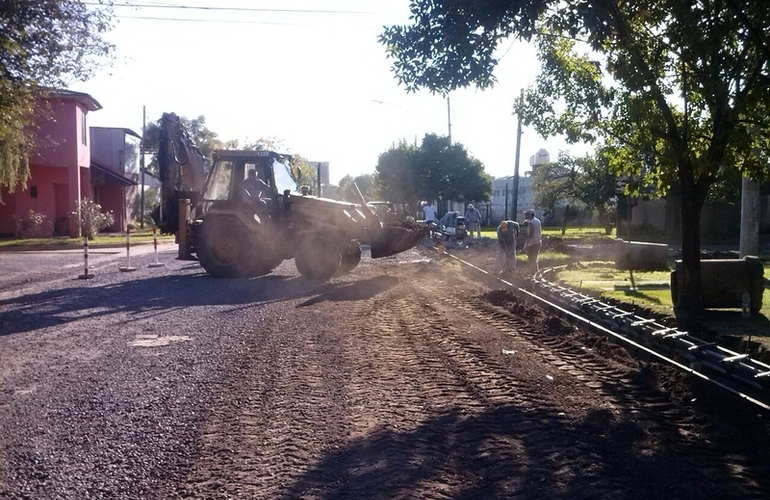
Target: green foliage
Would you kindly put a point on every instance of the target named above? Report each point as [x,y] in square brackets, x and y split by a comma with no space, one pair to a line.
[91,217]
[435,170]
[552,182]
[31,225]
[366,184]
[683,84]
[397,174]
[305,174]
[150,203]
[44,44]
[263,144]
[451,43]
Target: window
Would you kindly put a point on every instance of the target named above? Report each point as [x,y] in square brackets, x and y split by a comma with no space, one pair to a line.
[83,128]
[33,191]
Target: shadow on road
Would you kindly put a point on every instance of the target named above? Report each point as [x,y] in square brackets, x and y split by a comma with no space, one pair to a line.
[76,302]
[532,453]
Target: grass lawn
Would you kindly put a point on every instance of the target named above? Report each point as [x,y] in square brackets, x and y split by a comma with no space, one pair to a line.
[575,233]
[103,239]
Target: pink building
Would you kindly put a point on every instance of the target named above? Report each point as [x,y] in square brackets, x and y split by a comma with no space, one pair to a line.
[63,171]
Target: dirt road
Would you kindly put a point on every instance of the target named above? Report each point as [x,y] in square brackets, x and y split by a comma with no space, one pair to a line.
[404,379]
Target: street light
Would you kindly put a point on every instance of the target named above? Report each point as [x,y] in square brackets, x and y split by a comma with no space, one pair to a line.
[402,108]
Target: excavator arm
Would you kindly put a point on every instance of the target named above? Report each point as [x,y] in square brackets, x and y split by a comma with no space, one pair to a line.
[182,172]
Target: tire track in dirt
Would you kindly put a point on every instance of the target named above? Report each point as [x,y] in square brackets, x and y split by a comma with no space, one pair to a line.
[463,403]
[398,384]
[607,369]
[265,434]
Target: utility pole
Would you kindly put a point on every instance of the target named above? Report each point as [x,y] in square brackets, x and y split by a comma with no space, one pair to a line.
[505,212]
[449,119]
[516,164]
[141,168]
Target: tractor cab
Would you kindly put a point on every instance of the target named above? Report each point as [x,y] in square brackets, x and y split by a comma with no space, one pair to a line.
[229,180]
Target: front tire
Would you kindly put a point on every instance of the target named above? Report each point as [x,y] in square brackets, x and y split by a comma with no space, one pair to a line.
[318,259]
[225,249]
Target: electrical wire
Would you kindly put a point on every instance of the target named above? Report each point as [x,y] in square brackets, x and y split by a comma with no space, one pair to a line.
[233,9]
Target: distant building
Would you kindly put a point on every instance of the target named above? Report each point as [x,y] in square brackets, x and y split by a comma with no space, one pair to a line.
[115,162]
[501,206]
[539,158]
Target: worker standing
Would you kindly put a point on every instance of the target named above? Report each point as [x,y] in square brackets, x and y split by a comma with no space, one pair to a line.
[430,212]
[534,239]
[473,218]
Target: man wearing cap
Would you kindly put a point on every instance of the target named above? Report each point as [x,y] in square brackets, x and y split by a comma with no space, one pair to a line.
[473,219]
[534,239]
[505,260]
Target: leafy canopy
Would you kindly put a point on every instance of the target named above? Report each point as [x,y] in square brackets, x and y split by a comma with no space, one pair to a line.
[434,170]
[44,44]
[685,83]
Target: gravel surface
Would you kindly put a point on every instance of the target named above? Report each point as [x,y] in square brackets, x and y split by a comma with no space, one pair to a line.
[405,379]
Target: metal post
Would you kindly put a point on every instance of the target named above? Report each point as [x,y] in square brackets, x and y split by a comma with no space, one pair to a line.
[515,204]
[505,212]
[155,246]
[141,169]
[449,119]
[85,275]
[128,253]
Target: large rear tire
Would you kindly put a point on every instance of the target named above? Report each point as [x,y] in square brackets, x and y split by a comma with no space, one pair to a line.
[225,249]
[318,259]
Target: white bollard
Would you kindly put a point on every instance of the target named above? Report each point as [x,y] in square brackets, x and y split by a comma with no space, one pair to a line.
[128,253]
[85,275]
[155,245]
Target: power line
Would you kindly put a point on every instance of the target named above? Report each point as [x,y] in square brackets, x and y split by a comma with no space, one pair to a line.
[234,9]
[148,18]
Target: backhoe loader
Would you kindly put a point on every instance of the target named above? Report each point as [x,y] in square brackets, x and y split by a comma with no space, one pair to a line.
[234,232]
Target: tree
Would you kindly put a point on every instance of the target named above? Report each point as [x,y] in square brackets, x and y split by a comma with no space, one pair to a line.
[684,82]
[397,175]
[585,180]
[366,184]
[595,186]
[435,170]
[46,44]
[554,182]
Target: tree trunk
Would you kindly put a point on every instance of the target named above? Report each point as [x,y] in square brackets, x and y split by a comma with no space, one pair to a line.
[690,302]
[564,221]
[604,217]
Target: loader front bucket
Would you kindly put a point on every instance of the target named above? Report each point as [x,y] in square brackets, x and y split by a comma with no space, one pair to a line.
[392,240]
[389,240]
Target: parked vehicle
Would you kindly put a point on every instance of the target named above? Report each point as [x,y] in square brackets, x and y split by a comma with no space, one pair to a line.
[232,233]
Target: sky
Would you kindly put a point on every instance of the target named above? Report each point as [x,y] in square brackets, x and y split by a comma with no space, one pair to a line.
[309,73]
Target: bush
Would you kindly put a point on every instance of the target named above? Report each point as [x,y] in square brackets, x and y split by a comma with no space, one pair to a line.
[31,225]
[92,219]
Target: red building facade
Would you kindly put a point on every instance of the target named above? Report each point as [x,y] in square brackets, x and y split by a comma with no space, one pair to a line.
[62,171]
